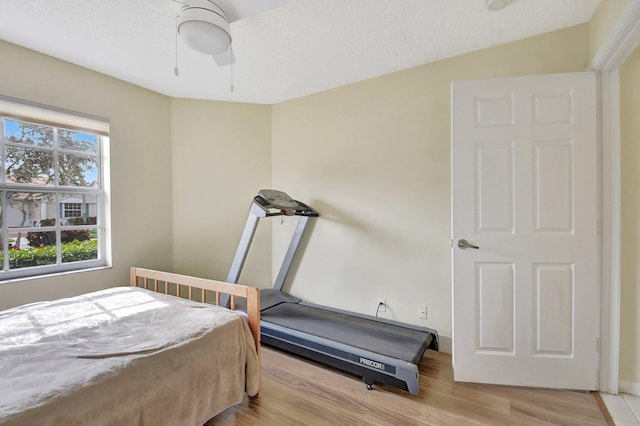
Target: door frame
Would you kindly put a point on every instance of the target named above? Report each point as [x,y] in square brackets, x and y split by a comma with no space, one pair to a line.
[622,40]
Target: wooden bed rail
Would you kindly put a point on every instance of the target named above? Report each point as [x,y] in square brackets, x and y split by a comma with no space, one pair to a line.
[141,277]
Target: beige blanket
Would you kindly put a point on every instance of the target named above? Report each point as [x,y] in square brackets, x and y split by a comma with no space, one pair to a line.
[123,356]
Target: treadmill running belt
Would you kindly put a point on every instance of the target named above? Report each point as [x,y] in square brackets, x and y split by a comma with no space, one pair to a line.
[386,339]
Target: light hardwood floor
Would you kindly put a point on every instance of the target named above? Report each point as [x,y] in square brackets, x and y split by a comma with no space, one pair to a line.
[299,392]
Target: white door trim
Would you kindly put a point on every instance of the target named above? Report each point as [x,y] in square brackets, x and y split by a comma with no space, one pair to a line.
[611,197]
[623,39]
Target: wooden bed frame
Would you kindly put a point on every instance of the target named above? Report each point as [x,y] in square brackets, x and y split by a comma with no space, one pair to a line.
[178,285]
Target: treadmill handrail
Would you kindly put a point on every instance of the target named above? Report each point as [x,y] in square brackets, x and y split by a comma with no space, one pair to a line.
[261,208]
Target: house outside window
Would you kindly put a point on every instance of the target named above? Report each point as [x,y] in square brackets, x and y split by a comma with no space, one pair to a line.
[53,195]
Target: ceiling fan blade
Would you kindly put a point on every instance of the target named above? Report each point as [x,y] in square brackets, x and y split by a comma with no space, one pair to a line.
[225,58]
[240,9]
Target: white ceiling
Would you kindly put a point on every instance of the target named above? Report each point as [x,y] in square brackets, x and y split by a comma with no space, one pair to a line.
[299,48]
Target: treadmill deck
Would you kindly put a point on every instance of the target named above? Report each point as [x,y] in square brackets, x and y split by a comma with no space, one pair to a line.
[386,339]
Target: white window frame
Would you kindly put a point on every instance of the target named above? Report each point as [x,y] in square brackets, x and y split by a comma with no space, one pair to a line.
[24,111]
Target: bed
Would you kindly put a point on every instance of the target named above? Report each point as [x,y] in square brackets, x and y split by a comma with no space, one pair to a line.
[134,355]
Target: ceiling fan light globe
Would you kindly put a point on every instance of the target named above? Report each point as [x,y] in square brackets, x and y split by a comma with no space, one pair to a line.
[205,37]
[204,28]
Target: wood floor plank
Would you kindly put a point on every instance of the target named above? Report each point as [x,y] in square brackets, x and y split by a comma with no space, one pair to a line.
[299,392]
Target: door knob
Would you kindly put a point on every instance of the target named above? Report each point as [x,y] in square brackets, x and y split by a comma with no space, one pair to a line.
[464,244]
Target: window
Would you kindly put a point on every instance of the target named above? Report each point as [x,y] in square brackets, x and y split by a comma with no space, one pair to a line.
[72,209]
[52,191]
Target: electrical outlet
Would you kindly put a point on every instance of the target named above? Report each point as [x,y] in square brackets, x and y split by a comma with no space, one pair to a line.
[422,311]
[382,304]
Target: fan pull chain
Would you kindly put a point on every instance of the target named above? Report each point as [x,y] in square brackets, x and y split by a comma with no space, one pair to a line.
[231,86]
[175,69]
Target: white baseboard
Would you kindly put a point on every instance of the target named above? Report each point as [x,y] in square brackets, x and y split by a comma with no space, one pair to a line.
[626,386]
[445,344]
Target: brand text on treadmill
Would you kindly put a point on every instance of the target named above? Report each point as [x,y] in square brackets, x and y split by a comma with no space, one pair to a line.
[374,364]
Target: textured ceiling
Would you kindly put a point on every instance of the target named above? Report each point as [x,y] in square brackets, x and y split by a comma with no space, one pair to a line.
[298,48]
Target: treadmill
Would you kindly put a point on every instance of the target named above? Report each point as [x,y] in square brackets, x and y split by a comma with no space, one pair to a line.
[376,349]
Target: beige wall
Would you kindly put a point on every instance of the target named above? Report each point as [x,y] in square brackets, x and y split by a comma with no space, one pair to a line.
[221,157]
[602,22]
[630,262]
[140,165]
[373,158]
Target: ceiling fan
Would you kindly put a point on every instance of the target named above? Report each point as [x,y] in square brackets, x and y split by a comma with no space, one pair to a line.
[204,25]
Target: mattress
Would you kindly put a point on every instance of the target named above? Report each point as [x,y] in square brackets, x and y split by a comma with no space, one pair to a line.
[125,356]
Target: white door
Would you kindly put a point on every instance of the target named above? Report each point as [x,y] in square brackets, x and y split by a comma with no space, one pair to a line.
[525,191]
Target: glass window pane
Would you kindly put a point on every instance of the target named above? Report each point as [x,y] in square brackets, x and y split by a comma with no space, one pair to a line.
[78,141]
[27,165]
[79,244]
[30,209]
[1,230]
[79,170]
[28,134]
[41,250]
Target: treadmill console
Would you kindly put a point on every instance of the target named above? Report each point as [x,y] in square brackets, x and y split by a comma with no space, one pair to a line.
[278,200]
